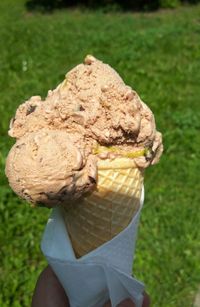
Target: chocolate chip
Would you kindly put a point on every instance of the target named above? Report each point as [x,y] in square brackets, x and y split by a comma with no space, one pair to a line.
[92,180]
[20,145]
[30,109]
[82,108]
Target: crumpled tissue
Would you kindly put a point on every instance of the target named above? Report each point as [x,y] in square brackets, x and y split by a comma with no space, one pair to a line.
[103,274]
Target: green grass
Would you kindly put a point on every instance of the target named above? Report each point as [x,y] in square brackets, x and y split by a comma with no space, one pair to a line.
[158,54]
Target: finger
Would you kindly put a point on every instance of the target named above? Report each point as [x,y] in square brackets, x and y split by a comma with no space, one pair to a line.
[48,291]
[146,300]
[107,304]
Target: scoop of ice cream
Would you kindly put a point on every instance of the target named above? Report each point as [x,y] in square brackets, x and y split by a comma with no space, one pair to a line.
[46,167]
[92,108]
[93,101]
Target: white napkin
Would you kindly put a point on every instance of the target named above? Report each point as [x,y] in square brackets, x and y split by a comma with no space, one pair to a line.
[103,274]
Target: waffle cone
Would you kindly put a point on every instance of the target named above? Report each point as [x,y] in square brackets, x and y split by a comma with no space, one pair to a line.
[102,214]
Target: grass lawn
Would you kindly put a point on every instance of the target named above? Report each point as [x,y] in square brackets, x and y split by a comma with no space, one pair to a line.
[158,54]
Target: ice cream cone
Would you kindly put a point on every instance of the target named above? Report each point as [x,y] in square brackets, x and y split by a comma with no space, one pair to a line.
[101,215]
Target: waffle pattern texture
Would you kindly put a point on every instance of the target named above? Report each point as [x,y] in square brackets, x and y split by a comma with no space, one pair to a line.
[109,209]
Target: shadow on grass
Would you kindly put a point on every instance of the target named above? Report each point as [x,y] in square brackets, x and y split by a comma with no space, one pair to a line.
[103,5]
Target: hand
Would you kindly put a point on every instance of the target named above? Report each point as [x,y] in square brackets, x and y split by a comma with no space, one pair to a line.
[49,293]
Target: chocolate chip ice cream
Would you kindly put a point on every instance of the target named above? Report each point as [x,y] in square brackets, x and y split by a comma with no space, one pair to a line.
[91,115]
